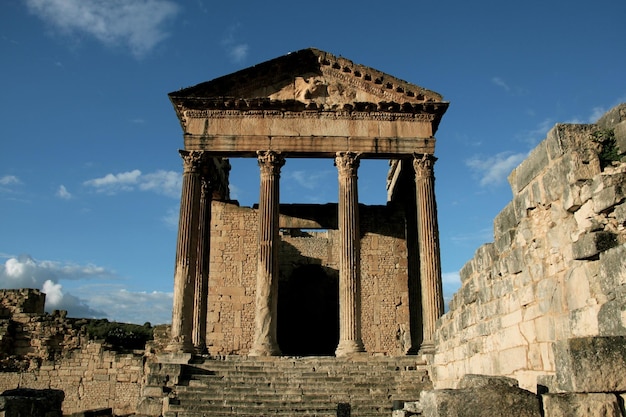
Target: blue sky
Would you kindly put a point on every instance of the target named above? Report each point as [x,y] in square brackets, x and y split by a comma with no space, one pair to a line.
[89,168]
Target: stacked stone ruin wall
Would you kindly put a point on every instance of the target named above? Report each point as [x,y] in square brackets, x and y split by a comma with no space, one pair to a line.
[555,270]
[90,377]
[232,279]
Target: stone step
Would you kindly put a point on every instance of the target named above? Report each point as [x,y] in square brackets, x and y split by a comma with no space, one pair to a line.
[240,386]
[283,408]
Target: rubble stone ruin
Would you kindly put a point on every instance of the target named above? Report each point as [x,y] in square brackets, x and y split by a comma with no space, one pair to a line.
[305,279]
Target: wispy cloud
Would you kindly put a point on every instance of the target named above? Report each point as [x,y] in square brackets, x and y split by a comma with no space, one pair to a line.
[63,193]
[171,218]
[161,182]
[8,185]
[310,180]
[535,135]
[500,83]
[238,51]
[130,306]
[9,180]
[451,284]
[493,170]
[506,86]
[135,24]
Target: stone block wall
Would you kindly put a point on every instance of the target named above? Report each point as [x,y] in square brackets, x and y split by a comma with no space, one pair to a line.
[233,263]
[50,352]
[554,271]
[23,300]
[90,377]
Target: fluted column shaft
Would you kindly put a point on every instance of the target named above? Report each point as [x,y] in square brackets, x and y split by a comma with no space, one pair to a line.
[186,254]
[428,242]
[202,275]
[349,256]
[265,337]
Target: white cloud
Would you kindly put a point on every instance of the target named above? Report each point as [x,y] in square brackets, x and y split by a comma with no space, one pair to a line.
[536,135]
[63,193]
[94,296]
[135,24]
[54,294]
[451,278]
[9,180]
[495,169]
[132,306]
[238,51]
[310,180]
[163,182]
[451,284]
[26,272]
[171,218]
[500,83]
[123,180]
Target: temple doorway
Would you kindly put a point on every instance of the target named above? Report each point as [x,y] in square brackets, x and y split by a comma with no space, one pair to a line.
[308,313]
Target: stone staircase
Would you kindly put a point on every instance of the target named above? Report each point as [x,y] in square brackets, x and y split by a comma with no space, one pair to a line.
[358,386]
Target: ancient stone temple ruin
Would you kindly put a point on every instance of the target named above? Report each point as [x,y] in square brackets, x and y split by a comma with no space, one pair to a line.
[301,309]
[304,279]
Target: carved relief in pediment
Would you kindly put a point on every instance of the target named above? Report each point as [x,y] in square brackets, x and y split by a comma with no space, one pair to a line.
[324,91]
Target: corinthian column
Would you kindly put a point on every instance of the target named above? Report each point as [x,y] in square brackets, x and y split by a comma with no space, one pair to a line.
[202,275]
[186,254]
[265,339]
[349,256]
[428,243]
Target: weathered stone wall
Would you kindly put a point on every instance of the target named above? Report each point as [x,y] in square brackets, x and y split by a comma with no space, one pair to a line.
[232,279]
[90,377]
[51,352]
[555,270]
[23,300]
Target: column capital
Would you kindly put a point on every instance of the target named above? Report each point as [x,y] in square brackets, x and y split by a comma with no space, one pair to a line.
[347,163]
[270,162]
[192,161]
[423,164]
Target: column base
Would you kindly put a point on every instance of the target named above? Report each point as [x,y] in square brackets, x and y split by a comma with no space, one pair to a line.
[427,347]
[347,347]
[177,345]
[201,349]
[265,350]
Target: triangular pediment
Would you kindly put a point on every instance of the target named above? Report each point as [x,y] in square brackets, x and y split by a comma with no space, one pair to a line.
[310,79]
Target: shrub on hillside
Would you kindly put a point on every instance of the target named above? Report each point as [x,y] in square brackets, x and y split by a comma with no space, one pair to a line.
[120,335]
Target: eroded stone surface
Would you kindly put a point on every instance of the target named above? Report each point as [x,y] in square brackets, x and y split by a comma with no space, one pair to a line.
[481,396]
[581,405]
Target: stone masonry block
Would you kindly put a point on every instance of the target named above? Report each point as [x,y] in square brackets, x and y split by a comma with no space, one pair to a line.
[612,271]
[577,287]
[612,117]
[466,271]
[581,405]
[554,143]
[620,137]
[571,199]
[483,258]
[581,166]
[591,244]
[485,396]
[591,364]
[505,220]
[529,169]
[552,180]
[607,198]
[620,213]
